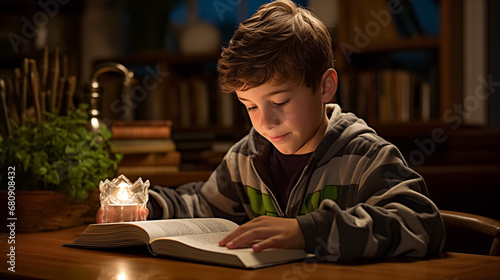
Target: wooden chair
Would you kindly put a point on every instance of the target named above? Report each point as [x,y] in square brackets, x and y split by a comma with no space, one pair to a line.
[459,221]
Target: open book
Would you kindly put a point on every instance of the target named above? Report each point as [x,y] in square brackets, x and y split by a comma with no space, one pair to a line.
[190,239]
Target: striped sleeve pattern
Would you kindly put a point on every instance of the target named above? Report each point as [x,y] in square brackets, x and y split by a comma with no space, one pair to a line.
[386,209]
[220,196]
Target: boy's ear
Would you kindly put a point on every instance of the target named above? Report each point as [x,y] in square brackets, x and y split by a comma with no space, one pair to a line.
[328,85]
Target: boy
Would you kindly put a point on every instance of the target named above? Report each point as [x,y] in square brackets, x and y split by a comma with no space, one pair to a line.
[307,175]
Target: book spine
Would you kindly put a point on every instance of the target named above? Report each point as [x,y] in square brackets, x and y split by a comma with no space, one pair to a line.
[118,123]
[152,159]
[131,171]
[134,132]
[143,146]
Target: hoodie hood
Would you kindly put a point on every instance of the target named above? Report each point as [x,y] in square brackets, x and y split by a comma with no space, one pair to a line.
[342,128]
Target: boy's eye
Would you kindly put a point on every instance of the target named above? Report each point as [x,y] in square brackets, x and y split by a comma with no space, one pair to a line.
[277,104]
[281,103]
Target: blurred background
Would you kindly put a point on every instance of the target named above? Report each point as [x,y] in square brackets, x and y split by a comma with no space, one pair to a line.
[424,73]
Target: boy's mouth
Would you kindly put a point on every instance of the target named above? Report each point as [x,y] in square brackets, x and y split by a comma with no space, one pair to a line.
[278,139]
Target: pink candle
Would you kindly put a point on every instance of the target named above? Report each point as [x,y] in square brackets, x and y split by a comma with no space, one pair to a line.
[121,213]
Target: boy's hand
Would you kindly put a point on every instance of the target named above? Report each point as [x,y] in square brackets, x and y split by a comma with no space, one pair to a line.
[266,232]
[138,213]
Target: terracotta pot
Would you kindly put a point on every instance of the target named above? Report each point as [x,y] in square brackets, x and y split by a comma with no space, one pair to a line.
[48,210]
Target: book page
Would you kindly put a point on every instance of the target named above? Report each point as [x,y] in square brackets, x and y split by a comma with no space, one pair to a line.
[181,227]
[137,233]
[203,241]
[207,242]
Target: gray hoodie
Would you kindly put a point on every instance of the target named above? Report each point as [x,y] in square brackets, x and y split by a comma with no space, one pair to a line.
[356,197]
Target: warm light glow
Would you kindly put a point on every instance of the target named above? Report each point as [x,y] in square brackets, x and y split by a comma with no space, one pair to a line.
[121,276]
[122,195]
[94,122]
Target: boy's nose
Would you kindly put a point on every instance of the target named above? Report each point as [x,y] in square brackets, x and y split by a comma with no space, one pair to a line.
[269,118]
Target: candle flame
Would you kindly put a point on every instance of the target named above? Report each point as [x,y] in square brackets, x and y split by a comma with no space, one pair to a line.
[122,195]
[121,276]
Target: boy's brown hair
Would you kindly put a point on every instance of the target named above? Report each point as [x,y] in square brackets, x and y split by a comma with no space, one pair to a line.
[280,41]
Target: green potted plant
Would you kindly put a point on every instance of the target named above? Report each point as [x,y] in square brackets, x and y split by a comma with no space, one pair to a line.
[51,164]
[57,166]
[60,154]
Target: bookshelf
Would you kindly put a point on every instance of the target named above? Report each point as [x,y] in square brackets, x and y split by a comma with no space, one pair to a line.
[392,71]
[463,155]
[183,89]
[364,72]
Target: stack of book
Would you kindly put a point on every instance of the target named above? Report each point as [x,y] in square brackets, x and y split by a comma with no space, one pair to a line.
[147,147]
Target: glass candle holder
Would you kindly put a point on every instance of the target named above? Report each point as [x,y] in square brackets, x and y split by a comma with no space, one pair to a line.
[122,201]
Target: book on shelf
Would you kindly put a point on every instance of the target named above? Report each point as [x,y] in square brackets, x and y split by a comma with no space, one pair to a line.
[150,163]
[425,101]
[386,107]
[141,146]
[200,97]
[152,159]
[343,95]
[196,104]
[225,104]
[142,123]
[367,95]
[153,129]
[138,170]
[188,239]
[185,104]
[402,90]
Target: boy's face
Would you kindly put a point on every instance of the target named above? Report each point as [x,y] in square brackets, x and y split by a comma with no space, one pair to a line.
[289,115]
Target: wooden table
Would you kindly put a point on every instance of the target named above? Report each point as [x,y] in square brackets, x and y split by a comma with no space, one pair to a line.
[41,256]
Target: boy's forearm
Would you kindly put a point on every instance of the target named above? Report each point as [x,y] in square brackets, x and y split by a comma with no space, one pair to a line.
[215,197]
[315,228]
[165,203]
[384,229]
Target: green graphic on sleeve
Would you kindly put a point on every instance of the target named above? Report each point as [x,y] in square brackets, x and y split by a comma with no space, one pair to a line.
[260,203]
[313,200]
